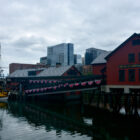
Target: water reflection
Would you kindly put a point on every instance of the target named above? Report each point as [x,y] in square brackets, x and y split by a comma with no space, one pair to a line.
[60,118]
[70,121]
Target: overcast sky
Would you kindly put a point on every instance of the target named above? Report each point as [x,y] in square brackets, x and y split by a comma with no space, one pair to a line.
[27,27]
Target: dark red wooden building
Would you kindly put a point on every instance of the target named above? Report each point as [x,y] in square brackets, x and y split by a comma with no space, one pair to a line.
[123,66]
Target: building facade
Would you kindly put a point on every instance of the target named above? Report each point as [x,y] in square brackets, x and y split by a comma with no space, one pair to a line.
[91,54]
[61,54]
[43,60]
[77,59]
[87,70]
[18,66]
[123,66]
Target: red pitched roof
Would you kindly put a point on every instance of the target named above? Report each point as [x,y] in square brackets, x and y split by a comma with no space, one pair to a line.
[120,46]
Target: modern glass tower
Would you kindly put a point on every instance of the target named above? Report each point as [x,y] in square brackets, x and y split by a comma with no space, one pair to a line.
[91,54]
[77,59]
[61,54]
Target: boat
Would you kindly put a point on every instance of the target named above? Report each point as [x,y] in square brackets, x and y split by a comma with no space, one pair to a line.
[3,99]
[3,92]
[3,95]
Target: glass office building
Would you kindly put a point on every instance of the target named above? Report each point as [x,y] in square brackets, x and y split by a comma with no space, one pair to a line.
[91,54]
[77,59]
[60,54]
[43,60]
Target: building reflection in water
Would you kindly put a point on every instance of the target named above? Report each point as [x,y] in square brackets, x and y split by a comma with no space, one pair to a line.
[73,119]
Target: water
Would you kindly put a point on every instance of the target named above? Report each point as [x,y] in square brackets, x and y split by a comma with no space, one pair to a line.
[20,121]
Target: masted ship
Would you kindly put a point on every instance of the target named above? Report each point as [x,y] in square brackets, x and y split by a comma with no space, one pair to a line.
[3,91]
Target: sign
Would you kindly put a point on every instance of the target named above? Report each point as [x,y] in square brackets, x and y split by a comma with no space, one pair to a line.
[129,66]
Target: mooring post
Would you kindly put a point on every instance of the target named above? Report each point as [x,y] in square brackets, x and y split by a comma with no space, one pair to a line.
[139,99]
[111,100]
[98,100]
[104,99]
[118,102]
[20,91]
[135,104]
[92,97]
[126,102]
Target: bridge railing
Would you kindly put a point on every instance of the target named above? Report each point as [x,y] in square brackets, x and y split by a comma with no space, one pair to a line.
[58,82]
[63,87]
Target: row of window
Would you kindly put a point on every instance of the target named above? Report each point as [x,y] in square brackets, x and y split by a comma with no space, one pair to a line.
[131,75]
[131,57]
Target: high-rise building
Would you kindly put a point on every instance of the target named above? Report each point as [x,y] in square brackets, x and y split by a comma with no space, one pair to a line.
[43,60]
[77,59]
[83,60]
[91,54]
[61,54]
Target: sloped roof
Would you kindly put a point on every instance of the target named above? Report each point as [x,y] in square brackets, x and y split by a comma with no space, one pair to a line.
[54,71]
[23,73]
[51,71]
[101,58]
[108,56]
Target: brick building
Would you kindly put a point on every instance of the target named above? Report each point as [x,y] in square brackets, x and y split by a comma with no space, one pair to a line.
[87,70]
[18,66]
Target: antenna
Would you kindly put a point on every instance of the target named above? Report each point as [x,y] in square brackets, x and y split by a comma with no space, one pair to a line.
[0,55]
[0,51]
[1,70]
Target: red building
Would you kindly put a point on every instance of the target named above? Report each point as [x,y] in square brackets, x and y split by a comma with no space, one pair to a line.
[97,69]
[87,70]
[123,66]
[99,64]
[72,71]
[18,66]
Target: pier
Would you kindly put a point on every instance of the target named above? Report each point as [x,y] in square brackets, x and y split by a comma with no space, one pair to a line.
[86,89]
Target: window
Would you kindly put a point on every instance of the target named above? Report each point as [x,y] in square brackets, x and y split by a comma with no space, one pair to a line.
[131,57]
[139,56]
[131,75]
[136,42]
[121,75]
[139,74]
[72,72]
[31,73]
[50,50]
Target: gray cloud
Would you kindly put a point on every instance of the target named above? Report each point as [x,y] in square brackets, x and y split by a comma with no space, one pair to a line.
[27,27]
[28,41]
